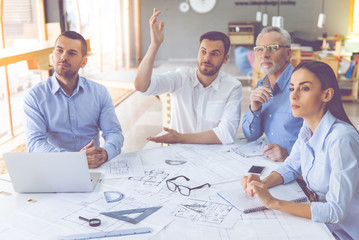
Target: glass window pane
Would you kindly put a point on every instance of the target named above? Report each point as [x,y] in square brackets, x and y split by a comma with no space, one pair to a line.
[20,23]
[356,17]
[4,120]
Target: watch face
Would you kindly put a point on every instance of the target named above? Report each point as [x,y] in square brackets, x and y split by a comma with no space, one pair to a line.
[202,6]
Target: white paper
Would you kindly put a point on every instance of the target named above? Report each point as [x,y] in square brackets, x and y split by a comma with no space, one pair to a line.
[122,166]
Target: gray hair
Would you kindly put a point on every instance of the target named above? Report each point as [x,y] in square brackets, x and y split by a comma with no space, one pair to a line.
[283,32]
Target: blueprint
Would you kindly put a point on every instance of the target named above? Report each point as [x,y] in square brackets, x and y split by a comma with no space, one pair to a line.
[122,166]
[205,212]
[138,180]
[65,216]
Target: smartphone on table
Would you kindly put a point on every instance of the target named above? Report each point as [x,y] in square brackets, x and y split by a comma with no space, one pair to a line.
[256,170]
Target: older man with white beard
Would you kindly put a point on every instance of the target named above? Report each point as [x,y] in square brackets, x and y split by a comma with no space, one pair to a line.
[270,110]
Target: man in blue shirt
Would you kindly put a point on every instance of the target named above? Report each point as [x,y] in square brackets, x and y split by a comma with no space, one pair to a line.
[270,110]
[66,112]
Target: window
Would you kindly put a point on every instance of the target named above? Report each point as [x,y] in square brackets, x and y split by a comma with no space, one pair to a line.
[354,17]
[21,30]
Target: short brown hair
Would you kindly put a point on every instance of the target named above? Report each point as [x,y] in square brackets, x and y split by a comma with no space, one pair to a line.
[215,36]
[76,36]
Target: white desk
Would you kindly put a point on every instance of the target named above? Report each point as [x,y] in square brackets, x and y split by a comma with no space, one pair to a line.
[47,216]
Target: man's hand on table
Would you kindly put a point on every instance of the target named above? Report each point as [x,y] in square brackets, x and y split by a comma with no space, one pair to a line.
[275,152]
[96,156]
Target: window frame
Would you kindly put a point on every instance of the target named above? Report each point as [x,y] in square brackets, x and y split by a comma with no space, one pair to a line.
[351,18]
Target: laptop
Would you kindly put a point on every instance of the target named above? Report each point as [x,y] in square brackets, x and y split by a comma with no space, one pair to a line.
[44,172]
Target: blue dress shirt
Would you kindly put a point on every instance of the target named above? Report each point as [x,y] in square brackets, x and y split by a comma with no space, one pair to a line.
[56,122]
[328,160]
[275,117]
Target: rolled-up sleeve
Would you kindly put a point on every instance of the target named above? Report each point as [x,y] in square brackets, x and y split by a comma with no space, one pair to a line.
[164,83]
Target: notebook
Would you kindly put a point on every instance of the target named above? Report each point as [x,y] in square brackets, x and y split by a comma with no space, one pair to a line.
[42,172]
[251,149]
[246,204]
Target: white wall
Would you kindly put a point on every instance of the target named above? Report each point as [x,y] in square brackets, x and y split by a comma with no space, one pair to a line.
[182,30]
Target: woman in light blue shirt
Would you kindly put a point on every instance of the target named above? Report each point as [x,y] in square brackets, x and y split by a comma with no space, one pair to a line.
[326,154]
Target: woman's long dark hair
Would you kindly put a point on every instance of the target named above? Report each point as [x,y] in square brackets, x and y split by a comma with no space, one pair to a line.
[327,77]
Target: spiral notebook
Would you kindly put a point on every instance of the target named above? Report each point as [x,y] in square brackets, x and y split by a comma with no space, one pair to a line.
[246,204]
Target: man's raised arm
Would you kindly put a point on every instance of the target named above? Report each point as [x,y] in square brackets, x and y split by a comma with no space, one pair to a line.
[144,71]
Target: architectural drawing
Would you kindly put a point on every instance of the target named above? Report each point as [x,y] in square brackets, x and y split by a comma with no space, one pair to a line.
[151,178]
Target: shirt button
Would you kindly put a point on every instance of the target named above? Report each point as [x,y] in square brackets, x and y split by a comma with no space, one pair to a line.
[270,115]
[272,134]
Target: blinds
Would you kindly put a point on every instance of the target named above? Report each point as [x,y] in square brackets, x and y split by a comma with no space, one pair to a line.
[17,11]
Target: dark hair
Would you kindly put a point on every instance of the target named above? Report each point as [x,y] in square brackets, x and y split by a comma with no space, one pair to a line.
[215,36]
[76,36]
[327,77]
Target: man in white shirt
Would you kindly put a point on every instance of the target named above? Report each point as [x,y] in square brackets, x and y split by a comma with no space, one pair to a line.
[205,102]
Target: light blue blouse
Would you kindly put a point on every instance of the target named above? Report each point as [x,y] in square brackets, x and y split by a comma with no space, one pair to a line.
[56,122]
[328,160]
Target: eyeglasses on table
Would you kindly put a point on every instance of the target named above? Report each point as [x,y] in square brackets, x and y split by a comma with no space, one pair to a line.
[184,190]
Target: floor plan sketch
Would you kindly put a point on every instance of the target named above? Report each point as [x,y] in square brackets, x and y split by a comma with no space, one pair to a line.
[152,177]
[206,212]
[121,166]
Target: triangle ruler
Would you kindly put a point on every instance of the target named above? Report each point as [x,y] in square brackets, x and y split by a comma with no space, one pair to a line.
[121,215]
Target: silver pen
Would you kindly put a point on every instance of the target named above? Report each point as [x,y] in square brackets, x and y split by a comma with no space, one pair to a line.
[266,83]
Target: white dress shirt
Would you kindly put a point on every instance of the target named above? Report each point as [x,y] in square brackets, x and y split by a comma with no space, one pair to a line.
[195,108]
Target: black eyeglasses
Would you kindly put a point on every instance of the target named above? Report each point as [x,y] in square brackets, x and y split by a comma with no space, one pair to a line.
[271,48]
[186,191]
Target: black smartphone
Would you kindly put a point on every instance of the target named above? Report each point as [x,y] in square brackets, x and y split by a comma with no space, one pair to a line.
[256,170]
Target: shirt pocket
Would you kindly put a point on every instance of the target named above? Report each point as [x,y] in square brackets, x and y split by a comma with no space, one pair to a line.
[214,110]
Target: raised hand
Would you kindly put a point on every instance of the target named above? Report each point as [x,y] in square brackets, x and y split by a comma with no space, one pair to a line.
[157,35]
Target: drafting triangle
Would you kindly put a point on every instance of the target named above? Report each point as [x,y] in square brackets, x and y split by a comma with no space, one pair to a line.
[121,215]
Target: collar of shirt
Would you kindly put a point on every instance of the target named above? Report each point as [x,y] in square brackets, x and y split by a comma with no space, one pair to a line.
[283,80]
[55,86]
[214,84]
[317,139]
